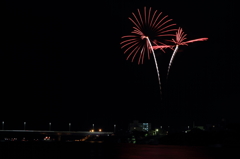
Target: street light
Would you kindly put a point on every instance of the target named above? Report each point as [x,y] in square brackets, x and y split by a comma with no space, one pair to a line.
[2,125]
[93,126]
[69,126]
[24,125]
[114,128]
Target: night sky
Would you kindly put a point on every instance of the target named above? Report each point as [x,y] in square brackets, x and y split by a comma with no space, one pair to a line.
[61,62]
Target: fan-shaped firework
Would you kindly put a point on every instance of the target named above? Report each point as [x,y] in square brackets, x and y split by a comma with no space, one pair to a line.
[180,37]
[146,27]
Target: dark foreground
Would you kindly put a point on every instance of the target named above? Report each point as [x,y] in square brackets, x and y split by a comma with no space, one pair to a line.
[96,150]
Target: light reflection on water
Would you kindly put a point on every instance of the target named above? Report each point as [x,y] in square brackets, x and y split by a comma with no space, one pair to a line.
[129,151]
[98,150]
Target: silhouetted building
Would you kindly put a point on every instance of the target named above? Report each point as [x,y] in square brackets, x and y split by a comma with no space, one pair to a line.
[139,126]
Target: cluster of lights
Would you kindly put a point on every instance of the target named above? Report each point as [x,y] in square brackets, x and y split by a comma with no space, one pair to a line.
[92,130]
[47,138]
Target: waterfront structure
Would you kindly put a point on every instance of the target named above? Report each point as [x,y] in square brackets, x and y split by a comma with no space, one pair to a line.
[139,126]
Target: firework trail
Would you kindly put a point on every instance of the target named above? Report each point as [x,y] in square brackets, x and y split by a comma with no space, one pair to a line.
[180,37]
[146,27]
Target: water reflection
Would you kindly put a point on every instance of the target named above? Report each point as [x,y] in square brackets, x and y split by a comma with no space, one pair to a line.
[132,151]
[102,150]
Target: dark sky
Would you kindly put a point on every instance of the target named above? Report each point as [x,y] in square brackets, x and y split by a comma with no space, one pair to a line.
[61,62]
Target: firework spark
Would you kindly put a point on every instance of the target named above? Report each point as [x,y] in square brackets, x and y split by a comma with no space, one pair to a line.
[180,37]
[146,27]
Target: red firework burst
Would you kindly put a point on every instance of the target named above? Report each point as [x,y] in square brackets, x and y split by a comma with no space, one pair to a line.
[180,37]
[146,27]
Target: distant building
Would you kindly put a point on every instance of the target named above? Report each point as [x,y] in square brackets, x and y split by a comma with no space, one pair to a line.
[139,126]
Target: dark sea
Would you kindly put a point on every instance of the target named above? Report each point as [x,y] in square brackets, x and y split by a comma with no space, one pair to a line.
[98,150]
